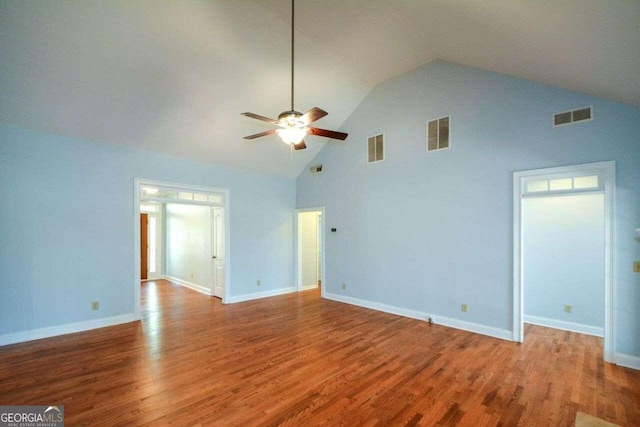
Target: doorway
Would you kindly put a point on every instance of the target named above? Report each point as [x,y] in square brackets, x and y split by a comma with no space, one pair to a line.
[563,269]
[151,241]
[188,202]
[310,248]
[189,251]
[595,179]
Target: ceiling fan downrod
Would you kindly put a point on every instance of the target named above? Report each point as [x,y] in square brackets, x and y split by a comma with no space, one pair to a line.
[293,3]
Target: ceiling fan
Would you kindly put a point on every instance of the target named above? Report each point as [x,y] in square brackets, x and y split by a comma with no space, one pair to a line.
[293,124]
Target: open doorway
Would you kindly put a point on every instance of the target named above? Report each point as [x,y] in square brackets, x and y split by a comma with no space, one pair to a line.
[189,249]
[194,224]
[563,268]
[310,248]
[583,195]
[151,241]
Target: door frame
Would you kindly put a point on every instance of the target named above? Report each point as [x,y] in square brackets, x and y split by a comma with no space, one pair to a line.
[137,183]
[608,172]
[298,249]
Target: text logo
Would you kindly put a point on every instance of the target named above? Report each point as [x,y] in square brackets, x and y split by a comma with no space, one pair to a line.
[32,416]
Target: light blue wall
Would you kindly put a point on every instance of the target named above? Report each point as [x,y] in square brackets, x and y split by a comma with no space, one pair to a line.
[67,226]
[429,231]
[563,245]
[188,230]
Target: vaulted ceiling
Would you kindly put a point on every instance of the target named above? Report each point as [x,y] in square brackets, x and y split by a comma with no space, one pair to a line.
[174,76]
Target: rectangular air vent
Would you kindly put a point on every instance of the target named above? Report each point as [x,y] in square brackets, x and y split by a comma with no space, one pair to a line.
[316,169]
[438,131]
[375,148]
[568,117]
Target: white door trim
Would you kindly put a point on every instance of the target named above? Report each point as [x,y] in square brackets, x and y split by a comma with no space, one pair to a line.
[608,171]
[137,183]
[298,249]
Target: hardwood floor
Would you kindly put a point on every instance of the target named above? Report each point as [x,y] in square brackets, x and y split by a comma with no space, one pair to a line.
[300,360]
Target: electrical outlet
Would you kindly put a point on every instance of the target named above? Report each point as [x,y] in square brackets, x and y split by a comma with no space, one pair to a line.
[636,266]
[95,305]
[344,286]
[568,308]
[258,282]
[464,307]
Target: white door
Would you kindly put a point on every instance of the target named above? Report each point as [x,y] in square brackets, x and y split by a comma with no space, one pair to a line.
[218,257]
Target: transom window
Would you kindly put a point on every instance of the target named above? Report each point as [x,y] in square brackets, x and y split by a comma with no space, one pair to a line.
[563,184]
[168,194]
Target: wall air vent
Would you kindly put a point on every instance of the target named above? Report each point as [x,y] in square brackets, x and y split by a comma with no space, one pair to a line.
[438,132]
[375,148]
[568,117]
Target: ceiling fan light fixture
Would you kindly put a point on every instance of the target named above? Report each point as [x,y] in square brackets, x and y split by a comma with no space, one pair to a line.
[292,134]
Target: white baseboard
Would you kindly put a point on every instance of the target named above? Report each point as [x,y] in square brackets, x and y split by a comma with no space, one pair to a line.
[306,288]
[189,285]
[565,326]
[258,295]
[627,361]
[69,328]
[419,315]
[476,328]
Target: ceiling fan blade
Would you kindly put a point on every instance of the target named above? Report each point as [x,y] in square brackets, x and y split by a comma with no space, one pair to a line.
[328,133]
[259,117]
[312,115]
[258,135]
[300,145]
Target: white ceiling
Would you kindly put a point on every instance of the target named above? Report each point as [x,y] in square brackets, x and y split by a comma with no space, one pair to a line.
[174,76]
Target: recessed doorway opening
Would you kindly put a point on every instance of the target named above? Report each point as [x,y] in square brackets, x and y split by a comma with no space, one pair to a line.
[310,249]
[595,182]
[151,240]
[191,237]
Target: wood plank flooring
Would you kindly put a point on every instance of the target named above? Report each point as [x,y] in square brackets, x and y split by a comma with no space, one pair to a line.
[299,360]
